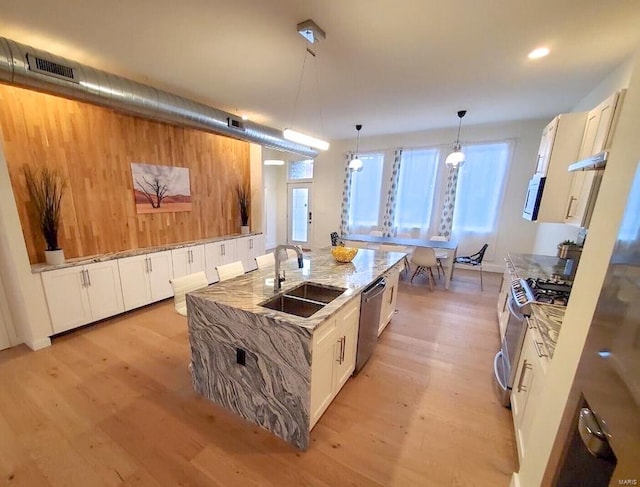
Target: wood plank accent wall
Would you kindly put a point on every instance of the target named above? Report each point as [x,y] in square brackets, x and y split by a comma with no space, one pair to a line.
[94,147]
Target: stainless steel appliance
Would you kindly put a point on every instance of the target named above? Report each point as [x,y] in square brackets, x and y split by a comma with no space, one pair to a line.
[370,306]
[602,417]
[523,294]
[534,196]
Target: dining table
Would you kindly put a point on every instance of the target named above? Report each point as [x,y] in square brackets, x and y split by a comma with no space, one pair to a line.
[451,246]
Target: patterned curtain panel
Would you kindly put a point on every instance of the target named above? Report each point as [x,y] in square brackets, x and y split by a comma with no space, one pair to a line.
[446,219]
[390,210]
[346,193]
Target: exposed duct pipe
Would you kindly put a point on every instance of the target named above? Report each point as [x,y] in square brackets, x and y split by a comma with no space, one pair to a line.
[39,70]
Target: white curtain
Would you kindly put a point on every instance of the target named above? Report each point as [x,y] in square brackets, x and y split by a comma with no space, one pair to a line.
[388,222]
[346,194]
[479,195]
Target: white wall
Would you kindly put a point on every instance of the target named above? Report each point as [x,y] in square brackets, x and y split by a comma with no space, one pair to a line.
[621,166]
[23,289]
[514,233]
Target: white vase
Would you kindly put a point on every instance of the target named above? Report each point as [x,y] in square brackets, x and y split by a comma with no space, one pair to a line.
[244,229]
[54,257]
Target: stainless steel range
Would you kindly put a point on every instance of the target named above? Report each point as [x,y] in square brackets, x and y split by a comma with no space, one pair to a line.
[524,293]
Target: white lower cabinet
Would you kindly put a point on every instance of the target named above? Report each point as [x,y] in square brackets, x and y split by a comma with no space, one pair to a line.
[82,294]
[333,357]
[146,278]
[389,299]
[248,249]
[530,376]
[188,260]
[219,253]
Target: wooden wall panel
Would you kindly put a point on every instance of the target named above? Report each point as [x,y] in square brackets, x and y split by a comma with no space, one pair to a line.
[94,148]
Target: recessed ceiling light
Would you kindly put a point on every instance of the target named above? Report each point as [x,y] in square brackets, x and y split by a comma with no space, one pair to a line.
[538,53]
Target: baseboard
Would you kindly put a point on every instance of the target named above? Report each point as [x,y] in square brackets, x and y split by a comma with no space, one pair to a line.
[38,344]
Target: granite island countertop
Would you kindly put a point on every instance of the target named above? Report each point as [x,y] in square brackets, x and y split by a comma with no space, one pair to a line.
[256,362]
[248,291]
[548,319]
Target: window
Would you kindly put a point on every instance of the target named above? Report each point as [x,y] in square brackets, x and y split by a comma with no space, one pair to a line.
[416,189]
[480,187]
[364,199]
[301,169]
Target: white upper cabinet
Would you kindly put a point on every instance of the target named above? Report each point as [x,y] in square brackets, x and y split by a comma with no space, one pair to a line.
[559,147]
[600,126]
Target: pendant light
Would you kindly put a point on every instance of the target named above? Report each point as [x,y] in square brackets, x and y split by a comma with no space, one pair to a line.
[457,157]
[356,164]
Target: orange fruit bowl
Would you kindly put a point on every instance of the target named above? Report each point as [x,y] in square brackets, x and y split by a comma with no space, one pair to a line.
[343,254]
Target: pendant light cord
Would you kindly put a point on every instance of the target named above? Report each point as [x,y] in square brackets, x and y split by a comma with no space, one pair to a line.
[295,104]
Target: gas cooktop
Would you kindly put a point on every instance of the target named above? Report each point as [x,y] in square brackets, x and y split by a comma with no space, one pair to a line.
[550,291]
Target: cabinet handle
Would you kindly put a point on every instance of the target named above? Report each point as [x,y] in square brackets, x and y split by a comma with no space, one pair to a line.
[222,249]
[251,243]
[84,282]
[339,359]
[150,264]
[571,200]
[391,295]
[88,278]
[146,265]
[344,348]
[525,366]
[538,349]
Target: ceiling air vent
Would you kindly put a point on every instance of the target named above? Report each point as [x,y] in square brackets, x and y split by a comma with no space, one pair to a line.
[235,123]
[50,68]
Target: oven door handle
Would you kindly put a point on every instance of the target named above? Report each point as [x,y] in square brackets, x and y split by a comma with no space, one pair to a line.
[495,369]
[515,313]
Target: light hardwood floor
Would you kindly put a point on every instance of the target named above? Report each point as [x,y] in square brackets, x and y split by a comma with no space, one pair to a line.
[112,405]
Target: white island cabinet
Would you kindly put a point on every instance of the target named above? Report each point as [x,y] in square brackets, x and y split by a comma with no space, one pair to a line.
[146,278]
[82,294]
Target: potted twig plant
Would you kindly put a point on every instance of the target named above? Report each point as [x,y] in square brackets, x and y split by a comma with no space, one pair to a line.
[46,187]
[243,200]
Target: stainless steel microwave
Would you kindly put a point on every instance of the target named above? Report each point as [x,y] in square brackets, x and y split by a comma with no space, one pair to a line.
[534,195]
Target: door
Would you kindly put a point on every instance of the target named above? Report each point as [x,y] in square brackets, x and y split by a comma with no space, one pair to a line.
[299,214]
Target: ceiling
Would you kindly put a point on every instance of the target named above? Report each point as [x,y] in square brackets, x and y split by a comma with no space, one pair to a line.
[394,66]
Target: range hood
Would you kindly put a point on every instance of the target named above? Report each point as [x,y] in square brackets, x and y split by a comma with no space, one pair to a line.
[598,161]
[32,68]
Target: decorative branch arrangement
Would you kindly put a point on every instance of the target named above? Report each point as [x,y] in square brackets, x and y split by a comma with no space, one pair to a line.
[244,201]
[46,187]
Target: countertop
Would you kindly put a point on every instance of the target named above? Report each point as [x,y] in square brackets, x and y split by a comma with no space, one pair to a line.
[248,291]
[37,268]
[547,318]
[538,266]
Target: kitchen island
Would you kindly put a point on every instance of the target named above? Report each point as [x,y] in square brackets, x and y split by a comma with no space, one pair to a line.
[267,365]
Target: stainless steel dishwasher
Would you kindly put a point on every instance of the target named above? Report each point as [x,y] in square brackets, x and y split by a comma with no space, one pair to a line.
[370,305]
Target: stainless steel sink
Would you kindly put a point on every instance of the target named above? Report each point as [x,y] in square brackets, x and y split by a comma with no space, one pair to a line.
[316,292]
[304,300]
[293,305]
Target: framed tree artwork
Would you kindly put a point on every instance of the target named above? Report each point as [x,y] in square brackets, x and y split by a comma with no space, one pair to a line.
[160,189]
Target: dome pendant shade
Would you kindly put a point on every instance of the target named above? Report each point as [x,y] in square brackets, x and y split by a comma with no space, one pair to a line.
[356,164]
[457,157]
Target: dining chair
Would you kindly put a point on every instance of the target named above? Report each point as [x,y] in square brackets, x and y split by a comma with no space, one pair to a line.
[266,260]
[473,260]
[229,271]
[441,254]
[182,285]
[424,258]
